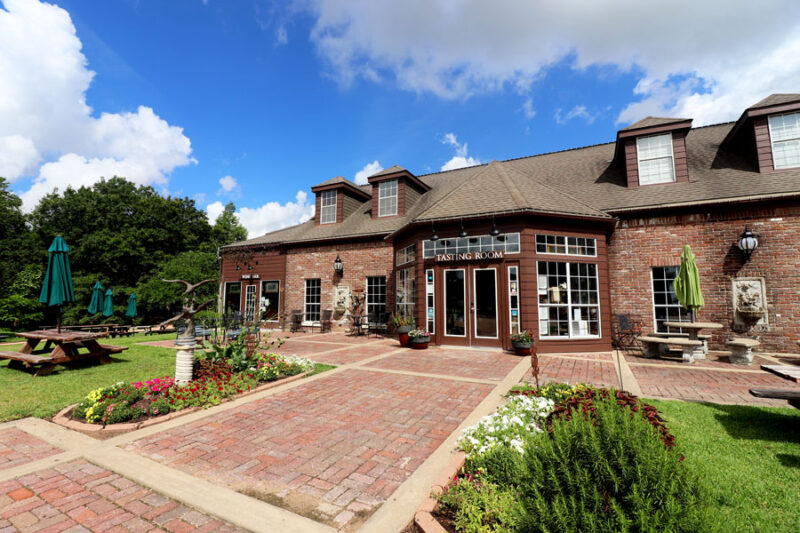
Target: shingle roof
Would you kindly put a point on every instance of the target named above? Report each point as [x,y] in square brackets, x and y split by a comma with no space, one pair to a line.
[391,170]
[579,182]
[776,99]
[649,122]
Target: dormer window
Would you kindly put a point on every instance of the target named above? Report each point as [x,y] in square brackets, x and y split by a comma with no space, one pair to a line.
[387,198]
[655,159]
[327,209]
[784,132]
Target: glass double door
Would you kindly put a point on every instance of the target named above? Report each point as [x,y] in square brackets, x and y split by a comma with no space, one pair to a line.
[471,306]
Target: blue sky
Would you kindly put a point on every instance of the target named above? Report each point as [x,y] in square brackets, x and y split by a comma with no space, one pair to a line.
[274,97]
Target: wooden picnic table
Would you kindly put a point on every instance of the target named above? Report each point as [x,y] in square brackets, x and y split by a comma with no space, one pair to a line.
[694,329]
[68,345]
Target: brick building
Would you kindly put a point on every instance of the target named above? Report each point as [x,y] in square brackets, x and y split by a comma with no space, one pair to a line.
[556,243]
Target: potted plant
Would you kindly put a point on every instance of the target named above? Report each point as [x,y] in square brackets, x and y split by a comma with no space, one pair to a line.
[522,342]
[403,325]
[419,338]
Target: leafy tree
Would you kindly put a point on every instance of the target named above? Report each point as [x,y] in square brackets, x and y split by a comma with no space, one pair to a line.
[160,300]
[17,239]
[227,229]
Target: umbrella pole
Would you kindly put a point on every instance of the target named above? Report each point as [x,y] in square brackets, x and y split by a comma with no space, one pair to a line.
[58,322]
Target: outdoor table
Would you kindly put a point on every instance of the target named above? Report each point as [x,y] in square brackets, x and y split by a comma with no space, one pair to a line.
[693,329]
[68,346]
[357,324]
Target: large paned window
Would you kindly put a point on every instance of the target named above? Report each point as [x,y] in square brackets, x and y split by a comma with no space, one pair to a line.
[784,132]
[513,299]
[376,295]
[507,243]
[312,300]
[666,307]
[327,207]
[387,198]
[563,245]
[233,297]
[270,299]
[569,301]
[655,159]
[404,300]
[405,255]
[430,308]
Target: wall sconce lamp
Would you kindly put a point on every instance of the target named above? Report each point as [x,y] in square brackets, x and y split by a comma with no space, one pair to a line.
[238,267]
[338,266]
[747,243]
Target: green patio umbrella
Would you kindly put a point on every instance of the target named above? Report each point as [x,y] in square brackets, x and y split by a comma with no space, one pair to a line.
[57,287]
[687,284]
[97,299]
[131,310]
[108,305]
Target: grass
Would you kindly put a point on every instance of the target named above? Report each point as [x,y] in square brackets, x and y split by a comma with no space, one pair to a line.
[24,395]
[320,368]
[749,457]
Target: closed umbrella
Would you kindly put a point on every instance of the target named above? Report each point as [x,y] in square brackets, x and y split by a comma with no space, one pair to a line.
[131,310]
[97,299]
[108,305]
[57,287]
[687,284]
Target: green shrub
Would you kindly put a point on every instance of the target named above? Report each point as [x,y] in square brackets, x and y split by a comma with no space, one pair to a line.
[607,472]
[502,465]
[478,506]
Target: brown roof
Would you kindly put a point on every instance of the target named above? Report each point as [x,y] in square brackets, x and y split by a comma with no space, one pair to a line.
[578,182]
[776,99]
[391,170]
[649,122]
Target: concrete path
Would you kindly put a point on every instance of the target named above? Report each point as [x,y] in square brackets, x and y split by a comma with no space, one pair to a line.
[354,448]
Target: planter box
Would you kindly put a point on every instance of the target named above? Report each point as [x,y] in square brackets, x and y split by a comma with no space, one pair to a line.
[424,518]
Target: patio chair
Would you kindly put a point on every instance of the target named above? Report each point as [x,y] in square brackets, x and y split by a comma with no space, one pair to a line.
[325,320]
[296,321]
[625,332]
[377,323]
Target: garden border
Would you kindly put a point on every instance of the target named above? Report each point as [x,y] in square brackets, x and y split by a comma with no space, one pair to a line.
[62,418]
[424,518]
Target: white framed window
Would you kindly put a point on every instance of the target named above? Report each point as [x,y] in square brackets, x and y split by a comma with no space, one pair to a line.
[507,243]
[387,198]
[666,307]
[376,295]
[563,245]
[312,300]
[430,309]
[654,154]
[784,133]
[327,207]
[405,255]
[569,300]
[513,299]
[250,303]
[404,300]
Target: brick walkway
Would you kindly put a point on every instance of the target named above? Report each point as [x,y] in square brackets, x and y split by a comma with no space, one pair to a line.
[79,496]
[18,447]
[333,449]
[492,365]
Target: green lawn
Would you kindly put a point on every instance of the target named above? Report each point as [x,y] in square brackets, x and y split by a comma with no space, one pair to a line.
[748,456]
[24,395]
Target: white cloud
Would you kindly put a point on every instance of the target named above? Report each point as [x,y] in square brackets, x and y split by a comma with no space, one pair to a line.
[579,111]
[368,170]
[228,184]
[281,36]
[43,111]
[270,216]
[461,159]
[733,53]
[214,210]
[527,109]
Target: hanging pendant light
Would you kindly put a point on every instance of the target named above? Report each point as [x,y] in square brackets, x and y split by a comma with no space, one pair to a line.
[434,236]
[463,232]
[495,232]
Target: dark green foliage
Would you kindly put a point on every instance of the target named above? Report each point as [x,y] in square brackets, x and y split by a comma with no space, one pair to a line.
[227,228]
[158,407]
[477,505]
[609,471]
[501,465]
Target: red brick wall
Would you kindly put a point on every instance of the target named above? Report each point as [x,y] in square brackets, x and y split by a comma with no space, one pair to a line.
[640,243]
[360,260]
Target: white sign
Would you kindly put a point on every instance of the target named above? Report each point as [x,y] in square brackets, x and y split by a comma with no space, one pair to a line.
[470,256]
[250,276]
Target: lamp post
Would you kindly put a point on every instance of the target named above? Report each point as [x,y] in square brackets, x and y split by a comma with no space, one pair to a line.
[747,243]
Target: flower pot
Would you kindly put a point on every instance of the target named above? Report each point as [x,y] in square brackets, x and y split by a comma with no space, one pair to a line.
[402,334]
[521,348]
[420,343]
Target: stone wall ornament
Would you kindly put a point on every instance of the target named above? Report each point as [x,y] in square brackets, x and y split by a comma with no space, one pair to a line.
[749,303]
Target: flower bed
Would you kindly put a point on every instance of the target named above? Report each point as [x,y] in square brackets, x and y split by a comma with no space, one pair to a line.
[570,458]
[215,380]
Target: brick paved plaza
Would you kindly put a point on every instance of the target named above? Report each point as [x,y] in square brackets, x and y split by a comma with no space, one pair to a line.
[354,448]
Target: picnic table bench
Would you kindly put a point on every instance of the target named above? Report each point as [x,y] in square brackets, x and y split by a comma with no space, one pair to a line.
[68,346]
[792,395]
[688,346]
[742,350]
